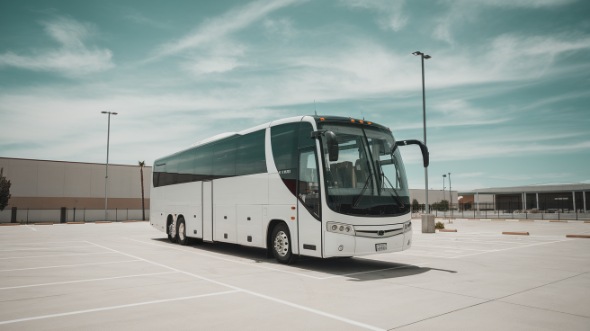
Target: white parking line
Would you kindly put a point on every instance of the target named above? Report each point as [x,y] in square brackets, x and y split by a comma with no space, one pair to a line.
[47,243]
[33,318]
[40,248]
[236,288]
[69,265]
[450,247]
[86,280]
[260,266]
[52,255]
[224,259]
[511,248]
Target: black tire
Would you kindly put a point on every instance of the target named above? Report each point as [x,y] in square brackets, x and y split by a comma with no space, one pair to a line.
[181,231]
[281,244]
[172,233]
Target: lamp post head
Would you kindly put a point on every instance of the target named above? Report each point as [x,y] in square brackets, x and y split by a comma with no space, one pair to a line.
[424,56]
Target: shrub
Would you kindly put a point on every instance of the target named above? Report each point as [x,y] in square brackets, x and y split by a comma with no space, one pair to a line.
[439,225]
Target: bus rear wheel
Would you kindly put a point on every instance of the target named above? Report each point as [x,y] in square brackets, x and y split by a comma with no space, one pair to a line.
[172,235]
[281,244]
[181,231]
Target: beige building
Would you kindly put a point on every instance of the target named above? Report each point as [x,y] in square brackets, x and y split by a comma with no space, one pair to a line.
[61,191]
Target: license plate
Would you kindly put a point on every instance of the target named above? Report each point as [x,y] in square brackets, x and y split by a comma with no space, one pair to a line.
[380,247]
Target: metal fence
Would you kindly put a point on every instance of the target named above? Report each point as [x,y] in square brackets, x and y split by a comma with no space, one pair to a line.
[64,215]
[488,211]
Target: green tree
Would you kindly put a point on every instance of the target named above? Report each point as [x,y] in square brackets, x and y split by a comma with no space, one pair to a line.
[443,205]
[415,205]
[4,190]
[141,165]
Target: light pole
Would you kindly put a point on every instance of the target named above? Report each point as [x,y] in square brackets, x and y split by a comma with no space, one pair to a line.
[106,176]
[444,176]
[422,57]
[450,195]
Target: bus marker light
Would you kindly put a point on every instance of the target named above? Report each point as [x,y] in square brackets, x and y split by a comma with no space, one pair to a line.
[341,248]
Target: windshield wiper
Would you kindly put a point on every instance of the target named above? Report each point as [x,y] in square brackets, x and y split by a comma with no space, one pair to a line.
[396,197]
[357,199]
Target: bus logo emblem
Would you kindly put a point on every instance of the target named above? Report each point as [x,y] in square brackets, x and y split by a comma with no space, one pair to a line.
[381,233]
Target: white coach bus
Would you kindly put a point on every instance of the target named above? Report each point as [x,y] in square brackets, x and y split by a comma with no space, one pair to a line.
[308,185]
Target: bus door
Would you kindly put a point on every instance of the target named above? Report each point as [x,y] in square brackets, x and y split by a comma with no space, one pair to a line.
[207,203]
[308,204]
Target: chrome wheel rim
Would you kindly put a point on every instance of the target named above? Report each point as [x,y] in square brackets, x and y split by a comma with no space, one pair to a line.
[181,231]
[281,243]
[172,230]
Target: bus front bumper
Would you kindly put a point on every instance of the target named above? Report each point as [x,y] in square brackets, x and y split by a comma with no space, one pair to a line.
[369,240]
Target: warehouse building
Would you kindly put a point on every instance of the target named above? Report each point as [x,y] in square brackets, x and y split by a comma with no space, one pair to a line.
[59,191]
[548,198]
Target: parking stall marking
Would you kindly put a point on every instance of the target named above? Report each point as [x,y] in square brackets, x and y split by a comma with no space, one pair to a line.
[444,248]
[137,304]
[260,266]
[53,255]
[213,256]
[69,265]
[86,280]
[260,295]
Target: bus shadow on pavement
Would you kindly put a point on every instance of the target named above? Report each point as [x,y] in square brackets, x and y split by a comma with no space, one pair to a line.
[353,268]
[361,269]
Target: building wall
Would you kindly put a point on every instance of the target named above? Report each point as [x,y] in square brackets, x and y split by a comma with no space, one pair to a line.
[433,196]
[52,185]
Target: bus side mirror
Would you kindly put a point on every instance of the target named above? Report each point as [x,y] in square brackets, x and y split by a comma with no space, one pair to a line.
[332,143]
[423,149]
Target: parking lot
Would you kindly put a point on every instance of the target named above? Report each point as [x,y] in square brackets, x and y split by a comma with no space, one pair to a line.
[122,276]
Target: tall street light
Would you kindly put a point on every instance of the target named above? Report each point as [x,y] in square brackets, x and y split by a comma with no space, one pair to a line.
[450,195]
[423,57]
[106,177]
[444,176]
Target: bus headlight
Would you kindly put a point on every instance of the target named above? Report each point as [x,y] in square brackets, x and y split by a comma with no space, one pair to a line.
[340,228]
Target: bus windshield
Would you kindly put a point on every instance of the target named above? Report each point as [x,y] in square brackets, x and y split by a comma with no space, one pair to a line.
[367,179]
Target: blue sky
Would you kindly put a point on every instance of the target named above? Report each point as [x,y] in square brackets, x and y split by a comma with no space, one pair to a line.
[507,87]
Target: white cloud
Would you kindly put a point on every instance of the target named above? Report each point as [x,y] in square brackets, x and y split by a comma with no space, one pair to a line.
[212,65]
[522,3]
[468,11]
[221,27]
[390,13]
[72,58]
[282,28]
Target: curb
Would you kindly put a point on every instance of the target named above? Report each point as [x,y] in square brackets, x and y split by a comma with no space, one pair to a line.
[584,236]
[516,233]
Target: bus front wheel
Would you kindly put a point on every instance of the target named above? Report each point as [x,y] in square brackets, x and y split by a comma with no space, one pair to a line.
[281,244]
